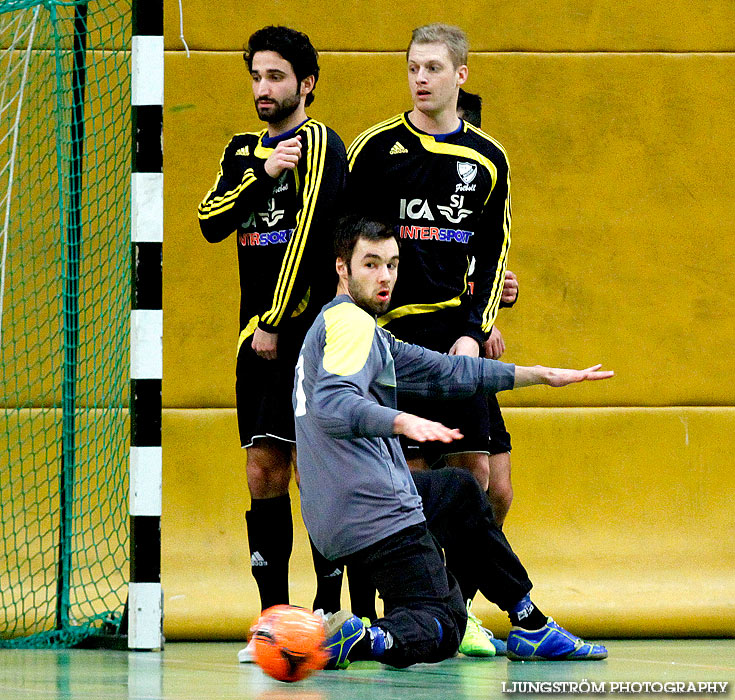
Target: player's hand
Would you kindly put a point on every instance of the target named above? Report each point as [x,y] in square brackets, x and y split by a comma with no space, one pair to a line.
[423,430]
[510,288]
[562,377]
[465,346]
[495,345]
[553,376]
[285,156]
[265,344]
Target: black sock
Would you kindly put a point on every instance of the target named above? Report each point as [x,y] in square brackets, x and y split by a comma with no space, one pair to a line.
[525,614]
[270,534]
[328,582]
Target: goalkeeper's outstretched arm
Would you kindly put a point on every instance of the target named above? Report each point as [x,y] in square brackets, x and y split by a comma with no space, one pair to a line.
[423,430]
[552,376]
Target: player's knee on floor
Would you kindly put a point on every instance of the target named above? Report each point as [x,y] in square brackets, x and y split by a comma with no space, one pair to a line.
[468,488]
[428,635]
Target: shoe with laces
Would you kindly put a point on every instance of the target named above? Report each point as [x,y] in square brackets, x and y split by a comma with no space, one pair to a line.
[343,630]
[324,617]
[475,642]
[551,643]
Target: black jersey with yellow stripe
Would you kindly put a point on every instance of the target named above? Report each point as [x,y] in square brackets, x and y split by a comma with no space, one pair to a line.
[283,225]
[449,197]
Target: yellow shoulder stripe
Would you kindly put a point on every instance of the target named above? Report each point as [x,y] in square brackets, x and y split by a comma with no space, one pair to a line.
[316,141]
[365,136]
[261,151]
[434,146]
[350,332]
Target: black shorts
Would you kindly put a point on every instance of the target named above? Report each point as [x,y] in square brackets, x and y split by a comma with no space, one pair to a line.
[263,390]
[479,419]
[498,435]
[470,416]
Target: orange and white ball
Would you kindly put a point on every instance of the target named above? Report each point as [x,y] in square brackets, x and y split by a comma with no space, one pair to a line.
[289,643]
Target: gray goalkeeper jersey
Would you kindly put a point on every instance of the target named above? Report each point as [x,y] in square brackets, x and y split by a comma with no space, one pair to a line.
[355,485]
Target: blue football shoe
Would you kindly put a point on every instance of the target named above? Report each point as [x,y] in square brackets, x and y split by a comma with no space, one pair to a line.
[343,630]
[501,648]
[551,643]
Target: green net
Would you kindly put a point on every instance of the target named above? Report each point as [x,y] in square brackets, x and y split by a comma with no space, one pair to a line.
[64,318]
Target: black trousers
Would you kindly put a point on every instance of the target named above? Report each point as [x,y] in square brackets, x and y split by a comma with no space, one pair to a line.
[478,555]
[460,517]
[423,605]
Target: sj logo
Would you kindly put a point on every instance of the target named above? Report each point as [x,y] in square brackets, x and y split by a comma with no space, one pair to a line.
[456,202]
[273,215]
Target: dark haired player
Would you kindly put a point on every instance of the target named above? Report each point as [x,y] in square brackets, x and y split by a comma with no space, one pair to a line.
[353,471]
[278,190]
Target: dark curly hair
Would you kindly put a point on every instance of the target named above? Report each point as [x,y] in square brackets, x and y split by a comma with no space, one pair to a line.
[293,46]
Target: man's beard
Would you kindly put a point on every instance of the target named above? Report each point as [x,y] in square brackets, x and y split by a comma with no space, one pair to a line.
[280,110]
[372,306]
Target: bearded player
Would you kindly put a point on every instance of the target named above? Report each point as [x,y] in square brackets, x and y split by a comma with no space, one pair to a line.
[277,190]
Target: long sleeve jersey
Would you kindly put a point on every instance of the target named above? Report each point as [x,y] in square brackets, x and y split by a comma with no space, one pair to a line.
[355,485]
[283,225]
[449,197]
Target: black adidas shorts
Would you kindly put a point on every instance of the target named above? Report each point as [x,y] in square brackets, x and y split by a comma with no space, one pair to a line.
[263,391]
[498,434]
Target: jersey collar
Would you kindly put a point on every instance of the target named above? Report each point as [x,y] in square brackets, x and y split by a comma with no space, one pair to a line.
[437,137]
[273,141]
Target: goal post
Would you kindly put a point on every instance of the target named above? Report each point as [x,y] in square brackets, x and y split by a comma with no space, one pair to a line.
[75,320]
[146,322]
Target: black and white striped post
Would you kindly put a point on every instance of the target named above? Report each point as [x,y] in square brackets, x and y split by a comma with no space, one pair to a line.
[145,607]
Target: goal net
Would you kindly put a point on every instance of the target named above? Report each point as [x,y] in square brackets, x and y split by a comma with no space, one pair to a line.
[64,319]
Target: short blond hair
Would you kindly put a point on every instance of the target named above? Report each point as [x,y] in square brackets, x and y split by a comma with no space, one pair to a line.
[452,37]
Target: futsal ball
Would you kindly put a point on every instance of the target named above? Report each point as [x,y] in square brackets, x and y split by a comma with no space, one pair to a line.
[289,643]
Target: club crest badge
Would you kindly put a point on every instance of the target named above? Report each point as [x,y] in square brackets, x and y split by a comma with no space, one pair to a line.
[467,172]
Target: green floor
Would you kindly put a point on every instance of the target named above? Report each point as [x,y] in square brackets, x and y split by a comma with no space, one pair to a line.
[210,670]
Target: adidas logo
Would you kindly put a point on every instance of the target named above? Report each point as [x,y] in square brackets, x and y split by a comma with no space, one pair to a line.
[257,560]
[397,148]
[244,151]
